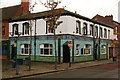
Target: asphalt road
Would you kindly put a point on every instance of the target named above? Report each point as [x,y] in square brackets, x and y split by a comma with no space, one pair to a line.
[102,71]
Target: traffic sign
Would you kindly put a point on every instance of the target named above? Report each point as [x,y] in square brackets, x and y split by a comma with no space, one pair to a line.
[70,44]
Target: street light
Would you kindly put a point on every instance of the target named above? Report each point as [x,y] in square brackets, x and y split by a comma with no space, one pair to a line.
[15,45]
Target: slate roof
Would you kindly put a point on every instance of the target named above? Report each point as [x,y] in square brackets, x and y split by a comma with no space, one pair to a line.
[48,13]
[9,12]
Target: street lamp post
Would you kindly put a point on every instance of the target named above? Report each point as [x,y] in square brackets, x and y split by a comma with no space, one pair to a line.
[15,45]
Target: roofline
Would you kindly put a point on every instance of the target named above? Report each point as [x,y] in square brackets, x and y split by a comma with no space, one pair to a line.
[63,14]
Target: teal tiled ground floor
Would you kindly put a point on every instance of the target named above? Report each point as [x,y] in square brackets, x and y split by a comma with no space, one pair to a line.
[43,48]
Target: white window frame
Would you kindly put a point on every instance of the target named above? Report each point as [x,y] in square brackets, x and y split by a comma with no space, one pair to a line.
[78,27]
[87,48]
[77,49]
[49,49]
[22,46]
[25,28]
[103,47]
[15,28]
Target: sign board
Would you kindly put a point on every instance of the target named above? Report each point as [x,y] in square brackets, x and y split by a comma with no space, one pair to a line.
[70,44]
[114,37]
[87,51]
[115,42]
[15,45]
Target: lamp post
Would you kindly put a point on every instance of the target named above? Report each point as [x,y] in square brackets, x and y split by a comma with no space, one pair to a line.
[15,45]
[52,21]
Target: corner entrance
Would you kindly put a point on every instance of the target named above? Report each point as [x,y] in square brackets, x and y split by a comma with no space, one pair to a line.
[66,54]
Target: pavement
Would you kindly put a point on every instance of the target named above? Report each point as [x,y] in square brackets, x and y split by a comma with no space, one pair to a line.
[38,68]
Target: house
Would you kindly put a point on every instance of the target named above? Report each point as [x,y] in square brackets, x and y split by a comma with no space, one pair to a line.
[7,14]
[90,38]
[109,21]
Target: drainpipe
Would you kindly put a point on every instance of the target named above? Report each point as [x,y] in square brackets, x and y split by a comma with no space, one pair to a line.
[35,43]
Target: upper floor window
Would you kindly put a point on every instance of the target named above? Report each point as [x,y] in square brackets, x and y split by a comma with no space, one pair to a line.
[84,28]
[25,49]
[91,29]
[15,29]
[26,28]
[101,32]
[105,33]
[78,27]
[3,30]
[46,49]
[49,27]
[108,34]
[96,31]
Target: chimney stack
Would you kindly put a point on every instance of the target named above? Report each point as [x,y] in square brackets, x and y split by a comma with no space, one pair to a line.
[25,6]
[109,17]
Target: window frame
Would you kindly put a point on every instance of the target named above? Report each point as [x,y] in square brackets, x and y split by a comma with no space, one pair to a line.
[91,29]
[78,49]
[78,27]
[13,29]
[43,48]
[23,49]
[85,31]
[85,48]
[26,26]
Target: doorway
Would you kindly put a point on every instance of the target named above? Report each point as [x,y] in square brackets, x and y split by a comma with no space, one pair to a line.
[110,52]
[13,52]
[66,54]
[96,52]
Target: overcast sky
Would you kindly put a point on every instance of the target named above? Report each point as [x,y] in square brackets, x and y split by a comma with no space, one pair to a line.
[87,8]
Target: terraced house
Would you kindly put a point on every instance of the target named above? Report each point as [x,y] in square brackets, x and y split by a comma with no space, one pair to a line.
[90,38]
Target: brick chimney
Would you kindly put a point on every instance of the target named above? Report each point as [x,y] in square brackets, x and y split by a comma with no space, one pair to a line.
[109,17]
[25,6]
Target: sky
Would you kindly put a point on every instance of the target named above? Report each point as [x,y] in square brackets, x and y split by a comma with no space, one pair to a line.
[87,8]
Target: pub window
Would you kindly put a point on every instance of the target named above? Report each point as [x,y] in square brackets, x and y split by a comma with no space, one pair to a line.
[103,49]
[87,49]
[91,29]
[96,31]
[25,49]
[105,33]
[26,28]
[77,49]
[46,49]
[108,34]
[3,30]
[84,28]
[101,32]
[15,29]
[78,27]
[49,27]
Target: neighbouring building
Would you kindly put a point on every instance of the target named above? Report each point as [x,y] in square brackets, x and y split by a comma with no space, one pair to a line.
[109,21]
[7,14]
[90,38]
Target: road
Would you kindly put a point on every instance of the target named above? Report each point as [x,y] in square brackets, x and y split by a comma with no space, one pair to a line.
[102,71]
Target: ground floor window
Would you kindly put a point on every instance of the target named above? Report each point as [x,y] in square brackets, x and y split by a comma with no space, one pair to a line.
[25,49]
[77,49]
[87,49]
[103,49]
[46,49]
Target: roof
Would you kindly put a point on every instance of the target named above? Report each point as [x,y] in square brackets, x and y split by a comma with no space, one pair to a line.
[48,13]
[9,12]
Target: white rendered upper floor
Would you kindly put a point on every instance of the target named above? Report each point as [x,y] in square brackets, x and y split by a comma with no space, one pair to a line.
[72,23]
